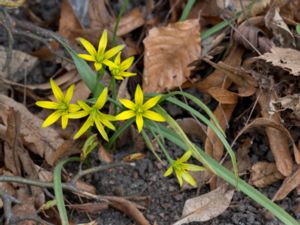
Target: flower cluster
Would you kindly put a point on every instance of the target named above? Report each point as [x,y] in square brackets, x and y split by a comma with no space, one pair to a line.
[94,116]
[102,58]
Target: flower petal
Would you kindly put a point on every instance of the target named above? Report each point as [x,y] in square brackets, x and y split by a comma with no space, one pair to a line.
[139,122]
[189,179]
[110,64]
[47,104]
[127,74]
[101,99]
[87,57]
[112,52]
[98,66]
[107,124]
[64,121]
[84,106]
[118,59]
[127,103]
[74,108]
[51,119]
[127,63]
[169,171]
[179,178]
[87,124]
[192,167]
[56,91]
[151,102]
[77,115]
[88,46]
[101,130]
[102,43]
[107,116]
[118,77]
[69,94]
[151,115]
[185,156]
[139,95]
[125,115]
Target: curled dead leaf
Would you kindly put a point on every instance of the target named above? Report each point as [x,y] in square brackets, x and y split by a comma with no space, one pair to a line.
[206,206]
[264,174]
[289,184]
[129,22]
[286,58]
[168,52]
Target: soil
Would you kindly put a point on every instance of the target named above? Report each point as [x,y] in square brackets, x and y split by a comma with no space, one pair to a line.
[164,199]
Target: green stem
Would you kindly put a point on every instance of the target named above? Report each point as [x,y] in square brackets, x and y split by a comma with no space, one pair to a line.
[123,8]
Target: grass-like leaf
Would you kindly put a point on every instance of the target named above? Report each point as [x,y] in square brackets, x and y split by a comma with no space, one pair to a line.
[187,10]
[59,196]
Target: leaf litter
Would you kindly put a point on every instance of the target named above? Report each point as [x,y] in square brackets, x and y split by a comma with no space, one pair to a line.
[265,37]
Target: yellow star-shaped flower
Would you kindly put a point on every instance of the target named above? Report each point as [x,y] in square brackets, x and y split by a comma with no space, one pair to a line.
[95,116]
[62,106]
[99,57]
[139,109]
[181,169]
[118,68]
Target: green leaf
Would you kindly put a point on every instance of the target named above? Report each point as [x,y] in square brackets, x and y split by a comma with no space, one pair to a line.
[187,10]
[298,29]
[59,196]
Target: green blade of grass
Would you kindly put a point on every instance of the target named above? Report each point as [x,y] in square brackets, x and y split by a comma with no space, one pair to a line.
[220,26]
[59,196]
[123,8]
[187,10]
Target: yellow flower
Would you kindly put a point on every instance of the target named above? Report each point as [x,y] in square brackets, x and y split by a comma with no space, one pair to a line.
[181,169]
[95,116]
[62,106]
[99,57]
[117,68]
[139,109]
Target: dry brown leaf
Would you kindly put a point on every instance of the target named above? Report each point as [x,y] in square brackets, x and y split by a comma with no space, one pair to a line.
[68,21]
[129,22]
[289,184]
[81,92]
[286,58]
[129,208]
[287,102]
[246,84]
[41,141]
[104,155]
[21,63]
[192,127]
[281,31]
[282,157]
[223,96]
[86,187]
[253,38]
[168,52]
[278,140]
[206,206]
[99,16]
[264,174]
